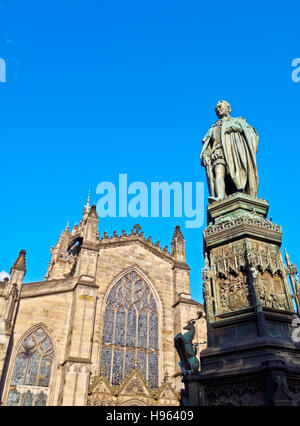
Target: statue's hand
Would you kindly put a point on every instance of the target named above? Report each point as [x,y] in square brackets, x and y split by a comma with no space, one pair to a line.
[205,160]
[235,127]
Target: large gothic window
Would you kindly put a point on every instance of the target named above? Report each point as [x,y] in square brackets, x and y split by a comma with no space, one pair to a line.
[30,380]
[130,331]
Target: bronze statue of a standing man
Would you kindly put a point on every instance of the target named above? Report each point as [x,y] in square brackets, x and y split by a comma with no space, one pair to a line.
[229,155]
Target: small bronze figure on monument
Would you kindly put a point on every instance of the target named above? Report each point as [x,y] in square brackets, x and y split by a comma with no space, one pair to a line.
[229,155]
[186,349]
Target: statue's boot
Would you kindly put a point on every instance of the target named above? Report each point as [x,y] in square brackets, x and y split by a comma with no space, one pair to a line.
[213,199]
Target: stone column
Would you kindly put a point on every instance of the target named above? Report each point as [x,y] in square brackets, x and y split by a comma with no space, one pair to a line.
[77,364]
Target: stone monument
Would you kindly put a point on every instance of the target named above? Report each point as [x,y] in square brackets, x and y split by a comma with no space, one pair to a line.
[251,358]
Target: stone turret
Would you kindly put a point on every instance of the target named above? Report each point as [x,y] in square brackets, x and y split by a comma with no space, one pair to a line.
[59,264]
[18,270]
[181,269]
[90,232]
[12,290]
[83,252]
[178,245]
[8,307]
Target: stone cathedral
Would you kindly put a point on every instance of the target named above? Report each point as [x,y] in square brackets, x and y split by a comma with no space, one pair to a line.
[99,329]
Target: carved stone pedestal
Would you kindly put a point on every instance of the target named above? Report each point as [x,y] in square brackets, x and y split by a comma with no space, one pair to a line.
[250,358]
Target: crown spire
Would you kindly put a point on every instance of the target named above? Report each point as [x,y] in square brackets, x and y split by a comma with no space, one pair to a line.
[87,206]
[88,200]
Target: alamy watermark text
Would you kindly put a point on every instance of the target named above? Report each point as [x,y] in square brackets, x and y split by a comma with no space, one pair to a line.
[158,199]
[296,71]
[2,70]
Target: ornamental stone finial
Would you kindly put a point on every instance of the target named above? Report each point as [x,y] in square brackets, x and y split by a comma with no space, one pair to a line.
[137,228]
[102,370]
[136,363]
[166,377]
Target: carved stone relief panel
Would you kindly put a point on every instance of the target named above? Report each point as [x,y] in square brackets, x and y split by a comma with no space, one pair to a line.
[271,291]
[236,394]
[230,278]
[264,256]
[234,293]
[229,258]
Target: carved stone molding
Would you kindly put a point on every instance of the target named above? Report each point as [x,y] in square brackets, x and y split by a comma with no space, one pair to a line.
[238,224]
[235,394]
[77,368]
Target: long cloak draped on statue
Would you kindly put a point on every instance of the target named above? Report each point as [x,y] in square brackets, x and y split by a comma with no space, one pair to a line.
[240,154]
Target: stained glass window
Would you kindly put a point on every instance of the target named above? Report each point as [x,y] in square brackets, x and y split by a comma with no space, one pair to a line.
[31,375]
[130,331]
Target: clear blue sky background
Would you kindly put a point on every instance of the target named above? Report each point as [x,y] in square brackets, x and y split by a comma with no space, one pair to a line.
[99,88]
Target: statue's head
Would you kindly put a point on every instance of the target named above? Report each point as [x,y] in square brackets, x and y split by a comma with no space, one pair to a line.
[189,325]
[222,109]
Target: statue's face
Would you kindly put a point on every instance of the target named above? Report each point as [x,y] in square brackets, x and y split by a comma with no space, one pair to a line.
[188,326]
[222,110]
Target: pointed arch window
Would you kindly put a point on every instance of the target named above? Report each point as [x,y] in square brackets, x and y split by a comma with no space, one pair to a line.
[130,331]
[31,375]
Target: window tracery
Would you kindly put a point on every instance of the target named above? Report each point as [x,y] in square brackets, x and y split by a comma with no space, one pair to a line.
[130,331]
[31,375]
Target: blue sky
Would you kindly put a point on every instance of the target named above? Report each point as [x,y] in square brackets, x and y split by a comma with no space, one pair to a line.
[99,88]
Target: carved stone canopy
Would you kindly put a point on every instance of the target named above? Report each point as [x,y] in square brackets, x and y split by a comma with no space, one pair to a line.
[133,390]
